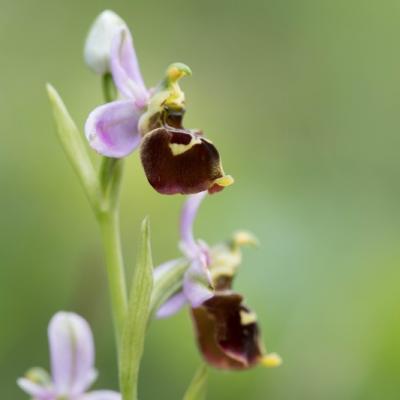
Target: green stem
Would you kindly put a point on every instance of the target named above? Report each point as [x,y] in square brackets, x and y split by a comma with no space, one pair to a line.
[110,176]
[109,225]
[109,91]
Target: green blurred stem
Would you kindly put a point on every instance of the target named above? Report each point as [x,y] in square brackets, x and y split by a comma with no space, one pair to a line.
[109,225]
[110,176]
[109,91]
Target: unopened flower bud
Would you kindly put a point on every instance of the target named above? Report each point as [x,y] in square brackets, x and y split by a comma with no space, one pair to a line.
[97,50]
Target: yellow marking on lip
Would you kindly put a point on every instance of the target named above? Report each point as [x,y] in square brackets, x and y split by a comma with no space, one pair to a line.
[247,318]
[224,181]
[271,360]
[178,148]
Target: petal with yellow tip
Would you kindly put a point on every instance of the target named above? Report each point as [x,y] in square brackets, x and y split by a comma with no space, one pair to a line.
[271,360]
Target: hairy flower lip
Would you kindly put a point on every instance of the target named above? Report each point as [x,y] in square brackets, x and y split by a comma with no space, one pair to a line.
[180,161]
[225,338]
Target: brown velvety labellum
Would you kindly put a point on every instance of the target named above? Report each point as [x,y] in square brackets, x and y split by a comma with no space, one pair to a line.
[179,161]
[226,338]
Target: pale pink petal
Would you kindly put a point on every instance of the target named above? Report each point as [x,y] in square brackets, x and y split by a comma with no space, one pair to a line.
[188,215]
[35,390]
[125,68]
[71,352]
[84,383]
[112,129]
[172,305]
[197,283]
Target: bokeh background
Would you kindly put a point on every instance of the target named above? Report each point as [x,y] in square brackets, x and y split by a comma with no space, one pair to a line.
[302,99]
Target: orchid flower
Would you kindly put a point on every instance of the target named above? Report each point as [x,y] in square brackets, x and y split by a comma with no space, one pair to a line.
[227,331]
[72,364]
[175,159]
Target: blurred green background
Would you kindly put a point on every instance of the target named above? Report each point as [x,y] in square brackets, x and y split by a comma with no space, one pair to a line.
[302,98]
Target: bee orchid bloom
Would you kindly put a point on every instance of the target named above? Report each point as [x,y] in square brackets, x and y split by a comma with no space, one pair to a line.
[227,331]
[72,364]
[175,159]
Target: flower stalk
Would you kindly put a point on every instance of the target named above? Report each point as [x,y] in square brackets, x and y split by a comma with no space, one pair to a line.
[109,226]
[109,91]
[110,176]
[198,386]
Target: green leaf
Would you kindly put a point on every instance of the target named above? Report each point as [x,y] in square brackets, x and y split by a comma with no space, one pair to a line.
[74,147]
[134,331]
[198,387]
[167,283]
